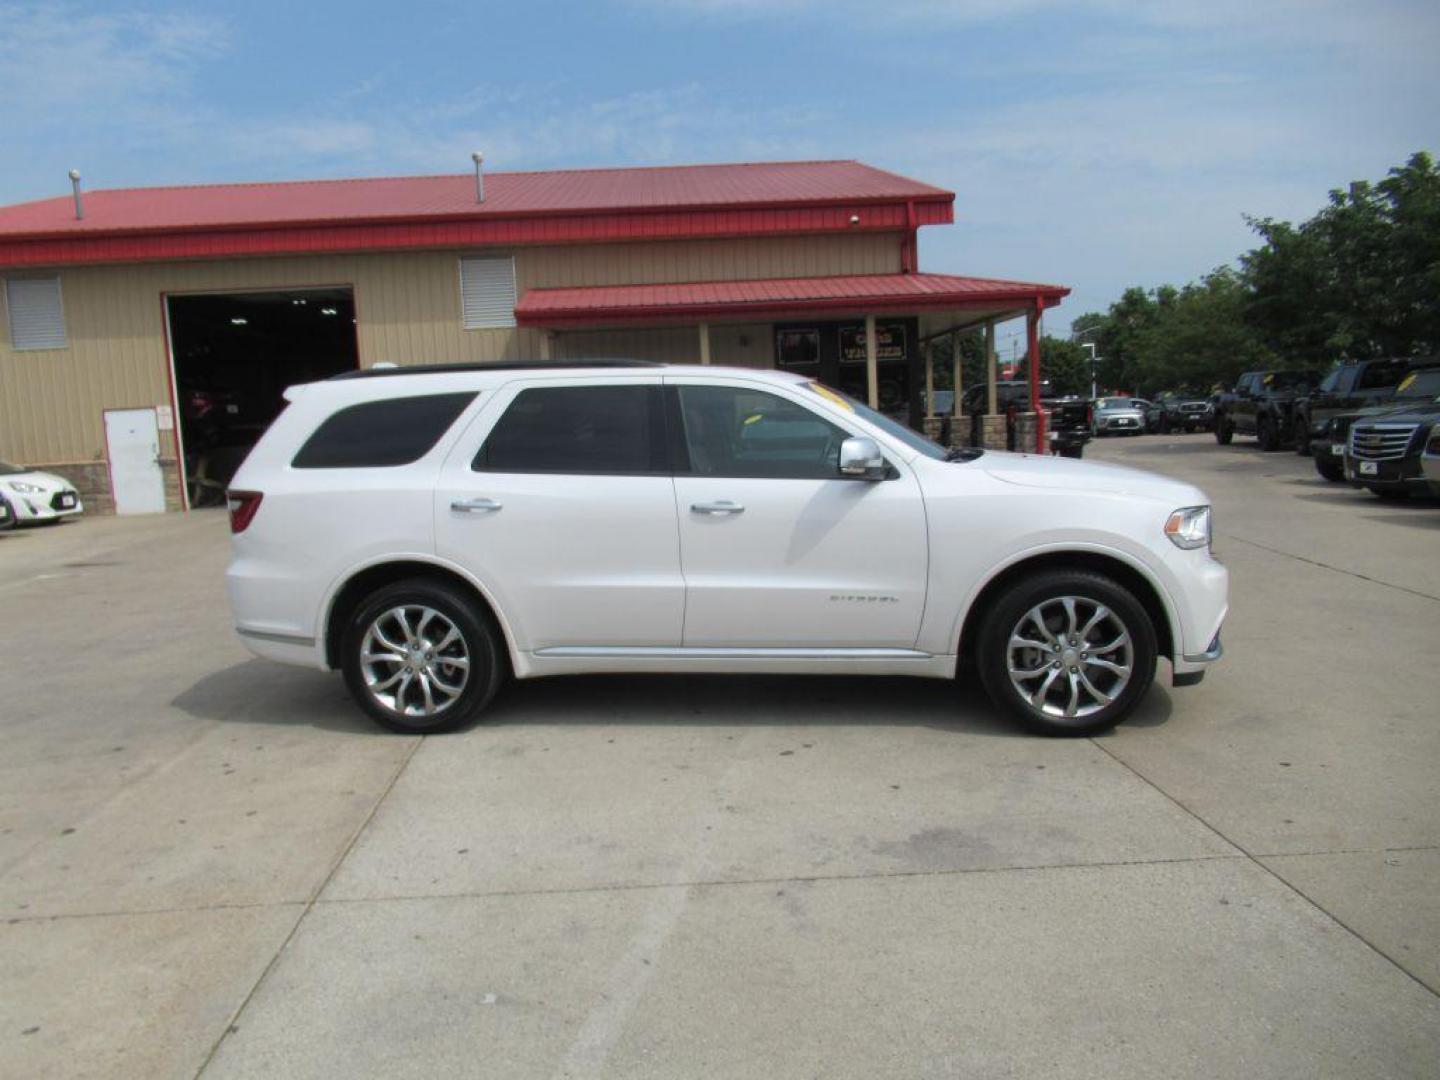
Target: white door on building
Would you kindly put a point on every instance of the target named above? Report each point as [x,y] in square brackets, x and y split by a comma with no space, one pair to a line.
[132,440]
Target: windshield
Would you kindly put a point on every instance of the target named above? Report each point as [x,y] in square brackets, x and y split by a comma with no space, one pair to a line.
[912,439]
[1421,385]
[6,469]
[1109,404]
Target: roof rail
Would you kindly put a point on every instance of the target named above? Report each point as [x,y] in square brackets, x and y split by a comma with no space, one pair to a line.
[511,365]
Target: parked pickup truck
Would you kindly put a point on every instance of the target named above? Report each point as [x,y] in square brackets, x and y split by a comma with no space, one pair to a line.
[1380,446]
[1358,384]
[1262,404]
[1068,421]
[1180,411]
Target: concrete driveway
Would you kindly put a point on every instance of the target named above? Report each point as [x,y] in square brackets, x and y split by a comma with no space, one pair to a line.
[211,865]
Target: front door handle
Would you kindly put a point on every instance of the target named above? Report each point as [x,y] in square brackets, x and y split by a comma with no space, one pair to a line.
[723,506]
[475,506]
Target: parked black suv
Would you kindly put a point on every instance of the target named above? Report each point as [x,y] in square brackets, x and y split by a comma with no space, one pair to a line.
[1348,388]
[1262,404]
[1384,444]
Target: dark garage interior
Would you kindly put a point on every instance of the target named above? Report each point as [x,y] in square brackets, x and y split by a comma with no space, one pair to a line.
[235,353]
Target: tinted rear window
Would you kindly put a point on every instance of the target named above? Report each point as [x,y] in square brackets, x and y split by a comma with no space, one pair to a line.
[579,429]
[375,434]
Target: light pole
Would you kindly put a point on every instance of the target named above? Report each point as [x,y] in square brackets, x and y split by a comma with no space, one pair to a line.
[1076,336]
[1091,346]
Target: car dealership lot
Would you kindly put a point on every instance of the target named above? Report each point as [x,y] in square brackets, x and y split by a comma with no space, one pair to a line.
[211,863]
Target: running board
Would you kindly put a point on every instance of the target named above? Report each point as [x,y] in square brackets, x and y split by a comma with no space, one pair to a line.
[596,652]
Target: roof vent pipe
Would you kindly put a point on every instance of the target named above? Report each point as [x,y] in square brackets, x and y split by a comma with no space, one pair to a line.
[75,186]
[479,160]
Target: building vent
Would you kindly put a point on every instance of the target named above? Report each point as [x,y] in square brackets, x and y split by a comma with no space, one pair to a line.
[487,292]
[37,320]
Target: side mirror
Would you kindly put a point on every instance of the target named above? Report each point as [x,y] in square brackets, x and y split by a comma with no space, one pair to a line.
[861,458]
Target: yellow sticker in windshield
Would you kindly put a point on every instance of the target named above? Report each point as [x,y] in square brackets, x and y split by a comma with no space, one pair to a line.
[1406,381]
[1269,379]
[830,396]
[755,418]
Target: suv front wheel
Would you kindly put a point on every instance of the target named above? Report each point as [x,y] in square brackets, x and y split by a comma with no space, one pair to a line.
[419,659]
[1067,652]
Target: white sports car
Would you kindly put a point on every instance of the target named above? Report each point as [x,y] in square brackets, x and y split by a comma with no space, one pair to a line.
[38,496]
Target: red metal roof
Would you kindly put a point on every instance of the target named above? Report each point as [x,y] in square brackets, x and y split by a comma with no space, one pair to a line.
[779,297]
[519,207]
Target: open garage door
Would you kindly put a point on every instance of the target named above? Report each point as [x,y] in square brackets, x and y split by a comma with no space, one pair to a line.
[235,353]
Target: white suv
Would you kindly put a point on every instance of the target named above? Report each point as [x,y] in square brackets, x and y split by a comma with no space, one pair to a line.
[430,531]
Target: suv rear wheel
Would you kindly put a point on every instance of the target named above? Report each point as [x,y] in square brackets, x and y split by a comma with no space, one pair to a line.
[1067,652]
[1267,434]
[1223,431]
[419,659]
[1330,470]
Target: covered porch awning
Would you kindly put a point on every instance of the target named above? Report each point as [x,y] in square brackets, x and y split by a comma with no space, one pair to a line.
[778,299]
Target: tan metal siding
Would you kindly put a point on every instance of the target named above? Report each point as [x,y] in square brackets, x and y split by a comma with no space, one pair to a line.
[407,310]
[709,260]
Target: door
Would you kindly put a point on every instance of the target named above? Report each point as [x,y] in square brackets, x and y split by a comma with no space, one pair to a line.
[132,442]
[559,499]
[778,550]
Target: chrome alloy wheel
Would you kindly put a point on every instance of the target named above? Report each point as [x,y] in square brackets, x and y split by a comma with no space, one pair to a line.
[414,660]
[1070,657]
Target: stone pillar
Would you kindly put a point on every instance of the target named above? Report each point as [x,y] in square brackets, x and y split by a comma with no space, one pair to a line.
[544,345]
[704,343]
[1026,427]
[993,437]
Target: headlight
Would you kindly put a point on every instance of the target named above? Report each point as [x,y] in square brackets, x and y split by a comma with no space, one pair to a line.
[1189,527]
[26,489]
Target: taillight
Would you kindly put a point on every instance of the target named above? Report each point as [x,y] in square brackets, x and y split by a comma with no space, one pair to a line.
[243,505]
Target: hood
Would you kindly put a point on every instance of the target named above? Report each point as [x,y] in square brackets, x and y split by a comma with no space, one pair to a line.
[1070,474]
[1418,413]
[49,481]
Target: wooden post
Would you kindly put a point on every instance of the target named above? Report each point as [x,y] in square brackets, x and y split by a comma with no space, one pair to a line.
[991,399]
[544,345]
[1032,340]
[704,343]
[957,371]
[929,379]
[872,363]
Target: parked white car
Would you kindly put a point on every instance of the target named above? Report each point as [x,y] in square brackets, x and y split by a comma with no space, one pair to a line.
[431,531]
[38,496]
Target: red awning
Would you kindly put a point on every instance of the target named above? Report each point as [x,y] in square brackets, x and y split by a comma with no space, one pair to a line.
[777,298]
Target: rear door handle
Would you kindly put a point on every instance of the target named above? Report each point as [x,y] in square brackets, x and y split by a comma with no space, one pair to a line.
[722,506]
[475,506]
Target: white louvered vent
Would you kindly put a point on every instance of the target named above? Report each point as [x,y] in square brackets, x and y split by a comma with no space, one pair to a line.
[487,292]
[37,320]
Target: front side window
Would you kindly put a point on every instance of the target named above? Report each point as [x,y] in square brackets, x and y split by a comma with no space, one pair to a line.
[376,434]
[1378,376]
[738,431]
[579,429]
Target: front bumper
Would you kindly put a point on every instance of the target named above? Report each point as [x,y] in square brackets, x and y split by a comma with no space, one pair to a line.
[45,506]
[1396,473]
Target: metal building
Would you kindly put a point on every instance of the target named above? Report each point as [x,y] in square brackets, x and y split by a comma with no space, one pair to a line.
[180,314]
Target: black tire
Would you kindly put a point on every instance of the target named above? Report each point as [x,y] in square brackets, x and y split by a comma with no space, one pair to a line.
[1267,434]
[1223,431]
[1302,438]
[481,639]
[1330,470]
[992,647]
[1390,494]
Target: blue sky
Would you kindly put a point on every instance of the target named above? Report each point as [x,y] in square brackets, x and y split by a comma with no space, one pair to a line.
[1094,143]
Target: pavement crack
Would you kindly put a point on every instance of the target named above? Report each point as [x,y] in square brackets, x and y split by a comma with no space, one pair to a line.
[1334,569]
[1257,861]
[232,1023]
[783,879]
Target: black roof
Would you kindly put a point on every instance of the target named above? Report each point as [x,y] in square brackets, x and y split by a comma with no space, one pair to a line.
[513,365]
